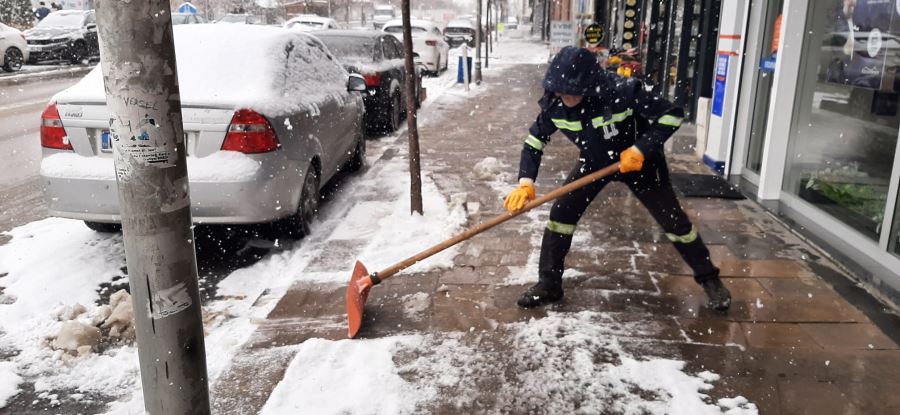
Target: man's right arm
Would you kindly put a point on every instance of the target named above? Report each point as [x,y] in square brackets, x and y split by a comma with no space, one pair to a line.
[538,137]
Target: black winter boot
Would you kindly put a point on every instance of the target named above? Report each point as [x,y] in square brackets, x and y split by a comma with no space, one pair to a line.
[540,294]
[554,248]
[719,298]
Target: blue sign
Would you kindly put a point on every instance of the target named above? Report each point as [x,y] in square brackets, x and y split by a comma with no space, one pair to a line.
[768,64]
[719,86]
[187,7]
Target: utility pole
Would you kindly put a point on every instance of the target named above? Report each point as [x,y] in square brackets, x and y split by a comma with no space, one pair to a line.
[412,130]
[137,55]
[478,39]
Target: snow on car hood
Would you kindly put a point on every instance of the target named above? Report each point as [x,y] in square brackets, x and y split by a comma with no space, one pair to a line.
[268,69]
[44,33]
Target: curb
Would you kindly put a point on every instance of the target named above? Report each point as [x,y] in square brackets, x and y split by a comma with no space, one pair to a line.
[41,76]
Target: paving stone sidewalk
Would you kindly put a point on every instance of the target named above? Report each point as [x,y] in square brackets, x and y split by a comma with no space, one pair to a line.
[792,343]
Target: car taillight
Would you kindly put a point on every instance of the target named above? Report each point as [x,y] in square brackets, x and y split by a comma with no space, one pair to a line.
[53,134]
[372,79]
[431,42]
[249,132]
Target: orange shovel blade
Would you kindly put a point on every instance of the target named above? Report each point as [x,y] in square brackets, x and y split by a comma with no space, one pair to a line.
[357,291]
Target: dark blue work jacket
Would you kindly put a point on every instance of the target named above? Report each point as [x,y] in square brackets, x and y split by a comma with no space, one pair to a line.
[602,126]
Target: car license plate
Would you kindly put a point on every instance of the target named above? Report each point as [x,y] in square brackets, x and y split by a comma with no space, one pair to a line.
[105,142]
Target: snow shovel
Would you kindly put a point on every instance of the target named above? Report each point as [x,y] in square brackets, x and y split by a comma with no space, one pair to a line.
[361,281]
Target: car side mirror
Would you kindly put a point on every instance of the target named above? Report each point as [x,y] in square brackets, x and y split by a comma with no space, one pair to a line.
[356,82]
[92,26]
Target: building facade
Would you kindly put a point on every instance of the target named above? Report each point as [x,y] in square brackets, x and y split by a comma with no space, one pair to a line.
[804,117]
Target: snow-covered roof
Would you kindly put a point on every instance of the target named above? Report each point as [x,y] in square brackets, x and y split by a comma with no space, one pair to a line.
[243,66]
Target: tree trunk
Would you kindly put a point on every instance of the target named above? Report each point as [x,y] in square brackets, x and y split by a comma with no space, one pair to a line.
[415,175]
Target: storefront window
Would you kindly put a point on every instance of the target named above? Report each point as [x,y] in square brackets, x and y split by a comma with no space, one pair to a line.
[846,114]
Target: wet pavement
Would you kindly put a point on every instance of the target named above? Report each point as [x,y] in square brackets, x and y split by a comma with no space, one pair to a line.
[792,343]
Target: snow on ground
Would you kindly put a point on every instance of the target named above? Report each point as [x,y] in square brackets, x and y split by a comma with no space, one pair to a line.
[9,382]
[564,363]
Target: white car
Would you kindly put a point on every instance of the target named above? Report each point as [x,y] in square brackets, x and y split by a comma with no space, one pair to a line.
[13,48]
[383,14]
[428,43]
[309,23]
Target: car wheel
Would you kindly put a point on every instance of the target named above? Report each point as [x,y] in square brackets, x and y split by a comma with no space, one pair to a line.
[437,67]
[78,53]
[103,227]
[308,207]
[13,60]
[393,121]
[359,154]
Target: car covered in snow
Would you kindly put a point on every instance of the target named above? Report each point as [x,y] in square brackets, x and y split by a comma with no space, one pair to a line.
[378,57]
[461,31]
[64,35]
[382,14]
[428,43]
[310,23]
[262,137]
[240,18]
[13,48]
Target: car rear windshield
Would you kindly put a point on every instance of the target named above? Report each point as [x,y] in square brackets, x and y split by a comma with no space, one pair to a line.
[399,29]
[351,48]
[234,18]
[385,12]
[180,19]
[62,20]
[306,23]
[460,30]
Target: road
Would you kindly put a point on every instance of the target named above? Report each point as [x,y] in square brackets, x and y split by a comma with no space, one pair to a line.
[20,149]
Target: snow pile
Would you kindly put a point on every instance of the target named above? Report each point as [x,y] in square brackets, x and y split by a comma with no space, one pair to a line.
[563,364]
[221,166]
[344,377]
[119,316]
[269,69]
[77,337]
[491,169]
[9,382]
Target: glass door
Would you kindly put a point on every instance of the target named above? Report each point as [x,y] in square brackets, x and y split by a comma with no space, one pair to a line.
[765,70]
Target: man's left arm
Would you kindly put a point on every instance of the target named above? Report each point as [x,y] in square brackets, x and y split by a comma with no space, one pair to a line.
[662,116]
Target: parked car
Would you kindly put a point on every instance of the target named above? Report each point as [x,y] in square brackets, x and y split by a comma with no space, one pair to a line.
[262,137]
[378,57]
[512,23]
[64,35]
[458,32]
[383,14]
[13,48]
[188,18]
[240,19]
[428,43]
[309,23]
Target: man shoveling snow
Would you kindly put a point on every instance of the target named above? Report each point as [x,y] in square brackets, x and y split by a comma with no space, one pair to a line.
[610,119]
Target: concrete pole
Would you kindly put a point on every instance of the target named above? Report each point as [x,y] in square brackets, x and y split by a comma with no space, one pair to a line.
[478,40]
[412,130]
[137,55]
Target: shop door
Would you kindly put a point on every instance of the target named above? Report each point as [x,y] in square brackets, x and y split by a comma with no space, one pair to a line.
[765,70]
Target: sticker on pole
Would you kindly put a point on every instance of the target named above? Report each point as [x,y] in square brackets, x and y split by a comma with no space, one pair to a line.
[145,142]
[170,301]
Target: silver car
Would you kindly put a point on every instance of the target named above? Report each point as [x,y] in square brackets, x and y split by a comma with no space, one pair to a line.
[269,117]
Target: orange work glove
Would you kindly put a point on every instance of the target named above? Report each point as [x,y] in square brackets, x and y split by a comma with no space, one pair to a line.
[519,197]
[631,160]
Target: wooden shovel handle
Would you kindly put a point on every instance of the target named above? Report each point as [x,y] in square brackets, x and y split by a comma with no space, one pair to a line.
[503,217]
